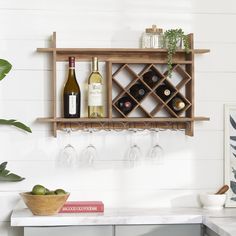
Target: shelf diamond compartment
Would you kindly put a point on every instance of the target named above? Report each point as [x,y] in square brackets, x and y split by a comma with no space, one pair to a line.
[151,104]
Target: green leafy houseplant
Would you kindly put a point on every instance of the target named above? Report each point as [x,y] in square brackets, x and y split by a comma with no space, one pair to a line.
[171,39]
[5,174]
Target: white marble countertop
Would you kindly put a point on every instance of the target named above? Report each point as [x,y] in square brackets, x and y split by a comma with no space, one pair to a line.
[224,226]
[223,222]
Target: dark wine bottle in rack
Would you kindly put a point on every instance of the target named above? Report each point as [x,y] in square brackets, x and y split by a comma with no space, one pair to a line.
[71,93]
[163,91]
[125,104]
[138,91]
[151,78]
[177,104]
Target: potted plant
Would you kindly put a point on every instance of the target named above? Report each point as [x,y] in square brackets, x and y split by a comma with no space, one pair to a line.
[173,40]
[5,174]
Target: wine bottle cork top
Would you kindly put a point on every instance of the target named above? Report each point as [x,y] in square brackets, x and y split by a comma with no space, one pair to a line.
[71,61]
[181,105]
[94,64]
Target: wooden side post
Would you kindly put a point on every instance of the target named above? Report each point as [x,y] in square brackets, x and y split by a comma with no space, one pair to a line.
[54,87]
[190,87]
[109,88]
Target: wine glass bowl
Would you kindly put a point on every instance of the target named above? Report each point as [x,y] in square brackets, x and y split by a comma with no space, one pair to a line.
[68,154]
[134,151]
[156,152]
[89,154]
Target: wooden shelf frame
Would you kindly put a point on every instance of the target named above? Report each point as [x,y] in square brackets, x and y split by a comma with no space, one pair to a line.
[122,123]
[115,51]
[126,56]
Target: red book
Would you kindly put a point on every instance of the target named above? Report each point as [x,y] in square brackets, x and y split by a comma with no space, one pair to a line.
[82,206]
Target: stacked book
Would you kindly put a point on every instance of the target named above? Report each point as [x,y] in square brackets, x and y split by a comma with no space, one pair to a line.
[82,206]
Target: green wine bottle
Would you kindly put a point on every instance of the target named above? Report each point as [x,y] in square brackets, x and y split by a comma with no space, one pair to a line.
[71,93]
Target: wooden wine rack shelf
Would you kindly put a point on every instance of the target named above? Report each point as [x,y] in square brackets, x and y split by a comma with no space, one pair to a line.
[120,61]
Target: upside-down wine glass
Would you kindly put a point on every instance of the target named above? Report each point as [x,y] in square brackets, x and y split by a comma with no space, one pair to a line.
[134,151]
[156,153]
[89,154]
[68,154]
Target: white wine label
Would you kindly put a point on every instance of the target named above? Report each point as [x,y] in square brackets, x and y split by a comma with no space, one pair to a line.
[95,94]
[72,104]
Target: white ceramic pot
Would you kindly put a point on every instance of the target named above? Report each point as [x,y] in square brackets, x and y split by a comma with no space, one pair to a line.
[212,201]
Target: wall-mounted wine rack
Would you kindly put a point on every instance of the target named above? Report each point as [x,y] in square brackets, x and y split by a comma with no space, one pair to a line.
[121,61]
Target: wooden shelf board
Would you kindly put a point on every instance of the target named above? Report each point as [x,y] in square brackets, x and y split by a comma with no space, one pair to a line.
[131,119]
[122,55]
[114,50]
[201,51]
[201,118]
[149,61]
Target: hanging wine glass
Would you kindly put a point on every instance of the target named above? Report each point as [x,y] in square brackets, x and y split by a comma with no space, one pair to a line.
[134,152]
[89,154]
[68,154]
[156,152]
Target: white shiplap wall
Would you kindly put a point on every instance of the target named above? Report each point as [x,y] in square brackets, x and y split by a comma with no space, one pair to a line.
[192,164]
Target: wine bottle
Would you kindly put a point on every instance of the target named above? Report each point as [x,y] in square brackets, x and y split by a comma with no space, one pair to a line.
[138,91]
[71,93]
[95,107]
[163,92]
[177,104]
[150,78]
[125,104]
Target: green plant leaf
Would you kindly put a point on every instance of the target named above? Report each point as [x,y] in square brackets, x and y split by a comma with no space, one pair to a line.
[3,166]
[16,124]
[11,178]
[171,38]
[5,172]
[5,176]
[5,67]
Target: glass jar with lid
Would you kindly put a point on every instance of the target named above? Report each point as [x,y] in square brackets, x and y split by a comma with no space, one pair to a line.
[152,37]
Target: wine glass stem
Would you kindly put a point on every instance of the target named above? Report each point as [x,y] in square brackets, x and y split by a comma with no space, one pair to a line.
[133,138]
[154,138]
[68,137]
[90,138]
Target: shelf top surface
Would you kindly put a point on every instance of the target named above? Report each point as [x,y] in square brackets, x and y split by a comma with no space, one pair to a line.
[129,119]
[115,50]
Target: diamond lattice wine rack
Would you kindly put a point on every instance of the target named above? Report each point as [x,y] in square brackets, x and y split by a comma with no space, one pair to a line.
[126,69]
